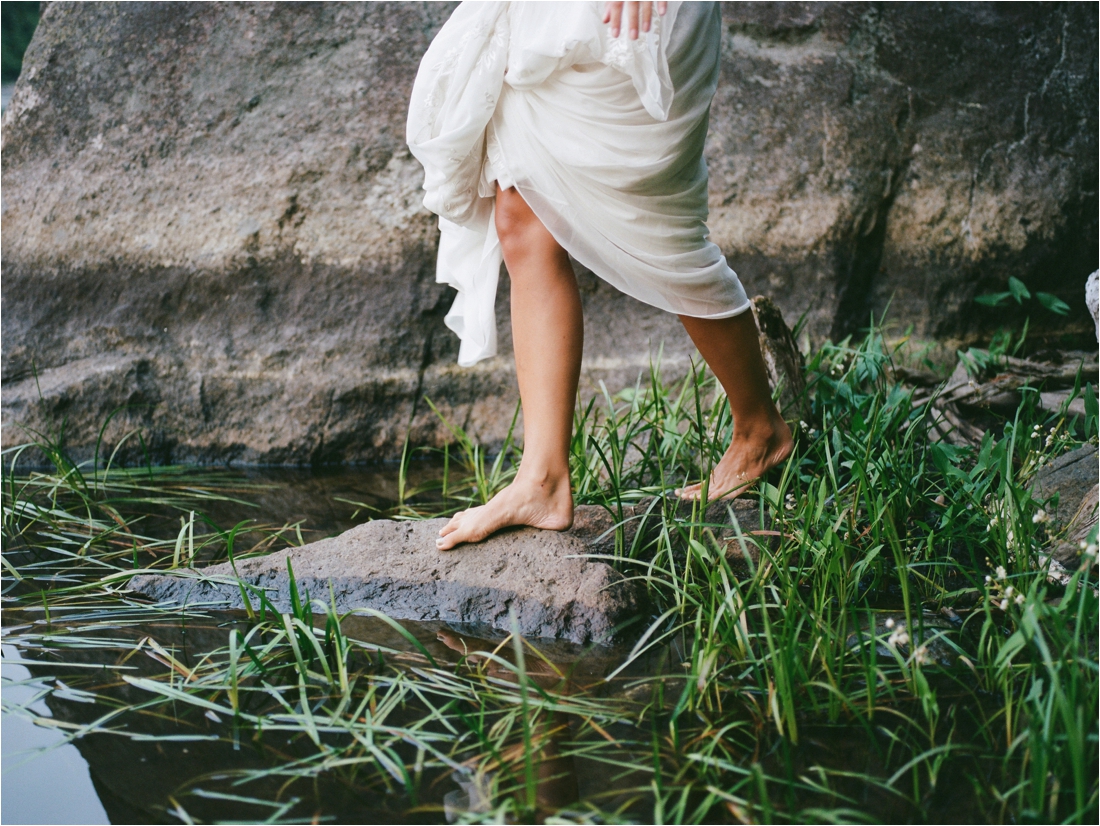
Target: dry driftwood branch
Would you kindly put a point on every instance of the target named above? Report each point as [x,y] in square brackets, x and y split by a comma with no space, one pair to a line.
[955,401]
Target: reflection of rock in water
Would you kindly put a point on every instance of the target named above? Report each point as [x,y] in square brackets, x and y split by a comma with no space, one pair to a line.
[137,778]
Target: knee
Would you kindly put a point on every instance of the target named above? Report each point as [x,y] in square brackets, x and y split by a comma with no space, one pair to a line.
[514,219]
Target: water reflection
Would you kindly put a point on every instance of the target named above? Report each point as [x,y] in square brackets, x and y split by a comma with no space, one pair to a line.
[554,768]
[45,780]
[328,500]
[165,762]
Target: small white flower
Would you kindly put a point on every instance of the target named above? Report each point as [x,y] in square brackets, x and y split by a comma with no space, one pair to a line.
[1090,550]
[890,622]
[1019,599]
[1008,591]
[1004,604]
[899,637]
[1036,428]
[988,579]
[921,655]
[1001,573]
[1040,517]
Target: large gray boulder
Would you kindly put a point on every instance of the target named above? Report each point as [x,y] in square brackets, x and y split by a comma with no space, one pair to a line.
[212,222]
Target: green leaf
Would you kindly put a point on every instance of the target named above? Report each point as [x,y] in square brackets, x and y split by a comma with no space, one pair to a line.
[992,299]
[1053,303]
[1018,290]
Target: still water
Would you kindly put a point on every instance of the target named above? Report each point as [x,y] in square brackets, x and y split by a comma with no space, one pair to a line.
[44,779]
[51,777]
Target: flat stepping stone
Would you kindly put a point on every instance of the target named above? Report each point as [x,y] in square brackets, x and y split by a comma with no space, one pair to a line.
[545,577]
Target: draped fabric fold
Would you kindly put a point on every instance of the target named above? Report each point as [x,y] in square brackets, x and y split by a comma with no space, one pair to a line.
[602,136]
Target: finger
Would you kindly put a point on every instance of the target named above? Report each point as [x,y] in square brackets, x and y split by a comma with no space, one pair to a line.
[647,15]
[662,8]
[632,19]
[615,15]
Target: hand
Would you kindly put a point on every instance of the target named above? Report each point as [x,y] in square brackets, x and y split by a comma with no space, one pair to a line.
[635,13]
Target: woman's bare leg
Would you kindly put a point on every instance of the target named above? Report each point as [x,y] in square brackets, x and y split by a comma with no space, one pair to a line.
[761,439]
[548,336]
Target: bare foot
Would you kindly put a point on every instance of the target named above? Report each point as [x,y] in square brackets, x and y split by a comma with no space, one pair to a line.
[548,505]
[748,458]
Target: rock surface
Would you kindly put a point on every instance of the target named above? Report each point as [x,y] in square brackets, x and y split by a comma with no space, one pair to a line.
[555,582]
[1072,476]
[394,567]
[212,222]
[1092,299]
[1075,478]
[1070,549]
[936,638]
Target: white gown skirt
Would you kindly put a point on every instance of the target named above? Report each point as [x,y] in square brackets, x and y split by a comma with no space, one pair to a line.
[602,137]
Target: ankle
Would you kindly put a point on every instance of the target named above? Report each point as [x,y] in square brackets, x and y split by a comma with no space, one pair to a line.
[551,481]
[762,427]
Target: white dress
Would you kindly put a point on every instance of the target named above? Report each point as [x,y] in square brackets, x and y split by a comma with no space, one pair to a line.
[602,137]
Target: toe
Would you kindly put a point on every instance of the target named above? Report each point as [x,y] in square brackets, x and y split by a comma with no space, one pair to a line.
[452,525]
[690,493]
[445,543]
[460,532]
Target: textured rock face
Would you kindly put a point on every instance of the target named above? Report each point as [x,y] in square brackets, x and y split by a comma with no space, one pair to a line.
[212,221]
[1073,477]
[394,567]
[918,153]
[1092,299]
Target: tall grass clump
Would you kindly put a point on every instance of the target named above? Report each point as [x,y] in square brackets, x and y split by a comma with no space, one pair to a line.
[873,634]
